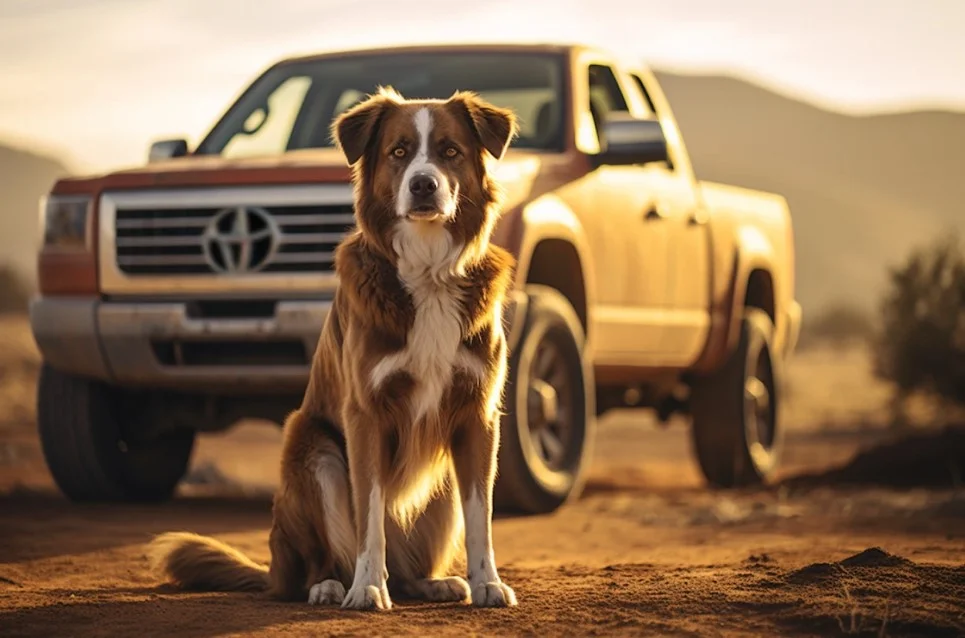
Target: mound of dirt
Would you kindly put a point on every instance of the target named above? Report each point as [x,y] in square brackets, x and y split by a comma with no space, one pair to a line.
[822,572]
[874,593]
[875,557]
[935,458]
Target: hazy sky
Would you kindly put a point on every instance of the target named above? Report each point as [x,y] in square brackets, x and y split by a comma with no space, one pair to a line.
[95,80]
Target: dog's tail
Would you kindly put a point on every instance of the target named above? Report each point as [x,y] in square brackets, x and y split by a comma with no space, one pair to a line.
[201,563]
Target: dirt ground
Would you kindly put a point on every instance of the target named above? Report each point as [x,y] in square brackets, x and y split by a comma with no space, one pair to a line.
[647,550]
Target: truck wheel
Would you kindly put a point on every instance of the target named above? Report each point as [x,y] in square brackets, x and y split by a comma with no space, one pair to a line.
[87,452]
[737,430]
[547,433]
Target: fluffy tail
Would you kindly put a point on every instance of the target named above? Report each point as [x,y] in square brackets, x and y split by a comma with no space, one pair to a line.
[200,563]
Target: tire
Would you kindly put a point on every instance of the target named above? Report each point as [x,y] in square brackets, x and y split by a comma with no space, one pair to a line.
[543,460]
[81,424]
[737,429]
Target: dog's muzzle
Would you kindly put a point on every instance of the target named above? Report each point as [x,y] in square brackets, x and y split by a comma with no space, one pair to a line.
[424,202]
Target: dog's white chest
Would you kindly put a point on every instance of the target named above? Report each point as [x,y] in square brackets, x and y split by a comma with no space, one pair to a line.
[433,345]
[433,349]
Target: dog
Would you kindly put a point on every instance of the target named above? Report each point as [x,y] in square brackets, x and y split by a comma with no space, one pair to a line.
[388,464]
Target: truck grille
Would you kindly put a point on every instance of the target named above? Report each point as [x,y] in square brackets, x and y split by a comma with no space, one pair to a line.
[201,241]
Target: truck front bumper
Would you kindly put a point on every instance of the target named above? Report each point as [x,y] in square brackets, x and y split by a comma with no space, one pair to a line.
[160,345]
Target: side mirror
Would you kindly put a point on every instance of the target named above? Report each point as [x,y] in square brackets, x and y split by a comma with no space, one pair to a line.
[628,140]
[166,149]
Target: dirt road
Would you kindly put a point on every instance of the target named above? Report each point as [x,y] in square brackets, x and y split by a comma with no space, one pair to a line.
[647,550]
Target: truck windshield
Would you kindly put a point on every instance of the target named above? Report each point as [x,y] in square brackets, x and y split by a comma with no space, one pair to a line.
[291,106]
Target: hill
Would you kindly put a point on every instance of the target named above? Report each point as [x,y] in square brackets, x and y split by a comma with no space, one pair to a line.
[862,190]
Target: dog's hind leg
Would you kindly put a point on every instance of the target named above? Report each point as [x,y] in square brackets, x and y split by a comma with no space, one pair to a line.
[334,570]
[287,571]
[313,537]
[301,569]
[419,562]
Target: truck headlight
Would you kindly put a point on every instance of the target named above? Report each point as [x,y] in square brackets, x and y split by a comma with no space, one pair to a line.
[64,221]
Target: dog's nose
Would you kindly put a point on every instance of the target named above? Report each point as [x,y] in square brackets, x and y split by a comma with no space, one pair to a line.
[421,185]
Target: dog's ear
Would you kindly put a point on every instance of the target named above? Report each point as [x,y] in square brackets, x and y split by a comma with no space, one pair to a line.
[355,128]
[495,127]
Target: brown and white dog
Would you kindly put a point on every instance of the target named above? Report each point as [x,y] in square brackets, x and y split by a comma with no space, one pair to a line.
[400,421]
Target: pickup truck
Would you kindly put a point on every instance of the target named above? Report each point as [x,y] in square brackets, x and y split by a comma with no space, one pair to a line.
[188,294]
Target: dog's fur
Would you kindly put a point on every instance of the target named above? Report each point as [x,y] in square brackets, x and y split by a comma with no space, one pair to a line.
[391,456]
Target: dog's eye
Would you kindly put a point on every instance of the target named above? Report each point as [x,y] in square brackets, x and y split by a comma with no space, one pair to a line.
[398,152]
[452,151]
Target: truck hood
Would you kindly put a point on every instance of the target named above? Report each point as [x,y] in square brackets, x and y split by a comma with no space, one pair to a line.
[315,165]
[516,172]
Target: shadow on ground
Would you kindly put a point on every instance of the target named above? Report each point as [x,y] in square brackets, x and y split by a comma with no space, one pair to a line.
[42,525]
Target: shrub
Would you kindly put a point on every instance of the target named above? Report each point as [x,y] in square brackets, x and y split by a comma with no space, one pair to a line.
[14,296]
[921,347]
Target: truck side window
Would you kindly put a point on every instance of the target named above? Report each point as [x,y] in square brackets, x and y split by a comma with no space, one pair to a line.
[640,84]
[346,100]
[643,89]
[605,94]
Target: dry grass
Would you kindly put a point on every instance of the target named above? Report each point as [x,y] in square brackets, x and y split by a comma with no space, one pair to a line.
[835,388]
[831,388]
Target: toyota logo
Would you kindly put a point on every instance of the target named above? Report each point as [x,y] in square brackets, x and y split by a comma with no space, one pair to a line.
[240,240]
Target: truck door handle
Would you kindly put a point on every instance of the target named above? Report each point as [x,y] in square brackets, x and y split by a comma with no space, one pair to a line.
[697,218]
[652,214]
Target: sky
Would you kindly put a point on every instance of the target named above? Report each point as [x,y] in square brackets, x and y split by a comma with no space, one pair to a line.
[95,81]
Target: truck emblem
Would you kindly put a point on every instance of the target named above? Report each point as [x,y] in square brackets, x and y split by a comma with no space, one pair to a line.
[240,240]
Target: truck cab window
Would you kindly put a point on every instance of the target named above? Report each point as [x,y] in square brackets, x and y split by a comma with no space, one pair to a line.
[305,95]
[347,100]
[267,127]
[638,81]
[605,94]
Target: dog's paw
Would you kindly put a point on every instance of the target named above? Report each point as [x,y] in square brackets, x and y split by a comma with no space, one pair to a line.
[494,594]
[363,597]
[441,590]
[327,592]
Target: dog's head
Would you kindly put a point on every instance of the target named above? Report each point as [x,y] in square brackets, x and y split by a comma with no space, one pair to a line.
[425,163]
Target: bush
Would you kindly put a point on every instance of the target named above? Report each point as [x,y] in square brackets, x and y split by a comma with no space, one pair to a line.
[14,296]
[922,344]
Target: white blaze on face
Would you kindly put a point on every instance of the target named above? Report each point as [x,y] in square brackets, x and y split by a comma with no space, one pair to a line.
[421,164]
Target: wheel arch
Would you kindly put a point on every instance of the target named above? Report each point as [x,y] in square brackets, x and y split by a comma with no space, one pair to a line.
[753,284]
[554,252]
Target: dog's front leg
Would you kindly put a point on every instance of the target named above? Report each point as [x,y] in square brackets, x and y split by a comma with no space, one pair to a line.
[475,464]
[369,589]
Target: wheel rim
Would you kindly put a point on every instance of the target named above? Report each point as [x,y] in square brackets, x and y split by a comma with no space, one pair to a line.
[760,409]
[549,405]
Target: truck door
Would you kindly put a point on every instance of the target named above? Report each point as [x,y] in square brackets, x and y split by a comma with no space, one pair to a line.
[688,240]
[630,247]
